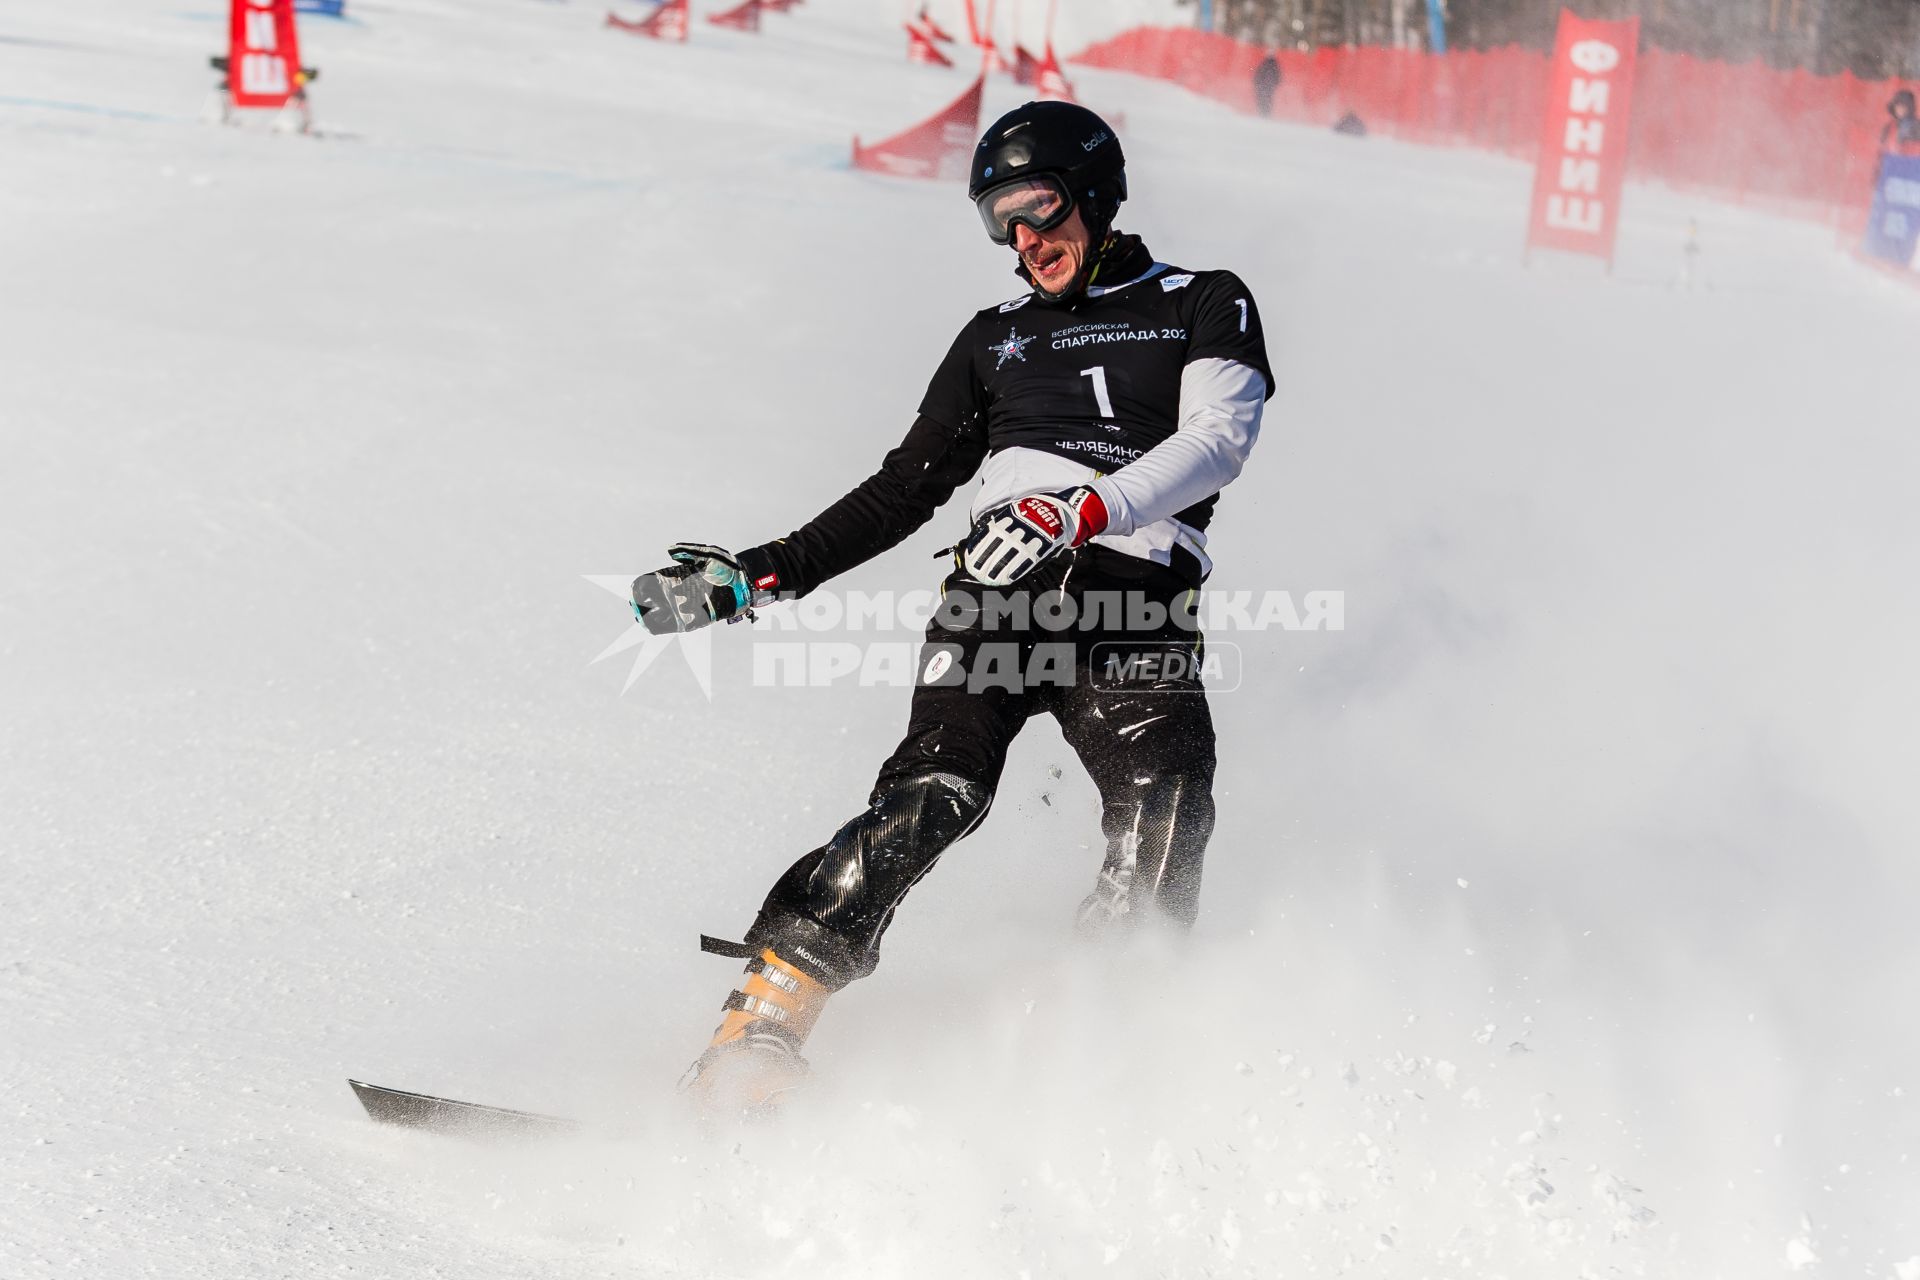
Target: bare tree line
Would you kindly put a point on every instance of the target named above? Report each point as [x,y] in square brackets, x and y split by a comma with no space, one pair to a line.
[1876,39]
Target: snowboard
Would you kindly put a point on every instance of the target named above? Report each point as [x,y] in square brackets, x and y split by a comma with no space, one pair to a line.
[451,1116]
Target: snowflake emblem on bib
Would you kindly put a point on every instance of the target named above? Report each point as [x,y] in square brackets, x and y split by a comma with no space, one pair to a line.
[1014,348]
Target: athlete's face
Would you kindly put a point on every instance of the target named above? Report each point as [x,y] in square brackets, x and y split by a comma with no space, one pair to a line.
[1054,257]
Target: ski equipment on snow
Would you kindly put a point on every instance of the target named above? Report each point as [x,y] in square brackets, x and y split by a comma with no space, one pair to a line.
[754,1060]
[450,1116]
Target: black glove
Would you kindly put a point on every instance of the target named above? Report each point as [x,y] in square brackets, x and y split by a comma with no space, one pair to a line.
[1015,538]
[704,584]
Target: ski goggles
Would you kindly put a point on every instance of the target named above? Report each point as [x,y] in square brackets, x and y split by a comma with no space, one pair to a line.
[1039,203]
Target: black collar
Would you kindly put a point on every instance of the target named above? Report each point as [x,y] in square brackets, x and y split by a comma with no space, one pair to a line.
[1121,258]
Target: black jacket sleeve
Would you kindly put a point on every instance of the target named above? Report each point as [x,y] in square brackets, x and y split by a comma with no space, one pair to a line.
[914,480]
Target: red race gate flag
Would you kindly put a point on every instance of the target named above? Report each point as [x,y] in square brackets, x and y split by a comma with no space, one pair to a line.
[1583,141]
[668,22]
[263,53]
[1050,82]
[973,27]
[745,17]
[1026,67]
[933,28]
[921,48]
[937,148]
[993,63]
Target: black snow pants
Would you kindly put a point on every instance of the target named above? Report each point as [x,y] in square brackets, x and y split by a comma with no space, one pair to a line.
[1104,642]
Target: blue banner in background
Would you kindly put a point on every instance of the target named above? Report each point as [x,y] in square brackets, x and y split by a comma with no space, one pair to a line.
[1893,232]
[321,8]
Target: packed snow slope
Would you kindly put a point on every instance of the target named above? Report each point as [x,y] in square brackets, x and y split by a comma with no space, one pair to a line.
[1561,918]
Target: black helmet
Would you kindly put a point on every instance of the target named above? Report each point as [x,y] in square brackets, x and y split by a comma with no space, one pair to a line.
[1061,138]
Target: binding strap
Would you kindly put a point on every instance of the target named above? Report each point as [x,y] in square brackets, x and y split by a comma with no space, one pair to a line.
[758,1008]
[721,947]
[774,974]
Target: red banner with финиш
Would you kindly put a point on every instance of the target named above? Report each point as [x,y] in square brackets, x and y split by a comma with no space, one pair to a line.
[1583,139]
[263,53]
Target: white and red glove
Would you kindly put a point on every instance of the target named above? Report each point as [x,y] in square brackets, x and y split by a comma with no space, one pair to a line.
[1011,541]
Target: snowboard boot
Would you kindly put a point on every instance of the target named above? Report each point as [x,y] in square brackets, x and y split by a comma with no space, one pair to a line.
[754,1059]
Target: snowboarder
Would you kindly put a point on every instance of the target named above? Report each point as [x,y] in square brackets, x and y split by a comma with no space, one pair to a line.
[1102,411]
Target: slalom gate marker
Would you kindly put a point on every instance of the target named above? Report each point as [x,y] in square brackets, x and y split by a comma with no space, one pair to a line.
[745,17]
[262,66]
[921,48]
[780,6]
[668,22]
[932,28]
[992,62]
[1583,140]
[1893,228]
[1026,67]
[940,147]
[1050,83]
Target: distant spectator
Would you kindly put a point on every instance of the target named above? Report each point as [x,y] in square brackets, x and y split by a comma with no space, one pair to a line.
[1266,81]
[1902,134]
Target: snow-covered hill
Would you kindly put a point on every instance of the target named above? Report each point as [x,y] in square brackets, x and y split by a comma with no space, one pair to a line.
[1561,917]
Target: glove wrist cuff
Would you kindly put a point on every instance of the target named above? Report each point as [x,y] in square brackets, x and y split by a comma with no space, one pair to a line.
[762,576]
[1090,515]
